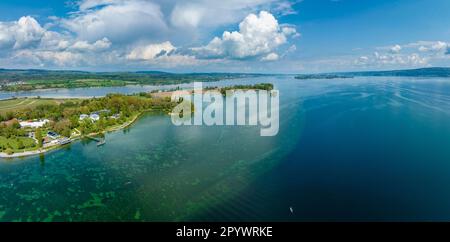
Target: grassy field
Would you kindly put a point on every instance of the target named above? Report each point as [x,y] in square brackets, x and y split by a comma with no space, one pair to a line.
[45,84]
[40,84]
[21,103]
[13,144]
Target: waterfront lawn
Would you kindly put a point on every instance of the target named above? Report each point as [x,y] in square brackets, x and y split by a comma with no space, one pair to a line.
[17,144]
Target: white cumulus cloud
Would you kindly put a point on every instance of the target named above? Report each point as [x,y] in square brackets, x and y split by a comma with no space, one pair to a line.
[211,13]
[151,51]
[395,49]
[136,33]
[83,45]
[380,60]
[429,46]
[258,35]
[23,33]
[270,57]
[26,42]
[160,54]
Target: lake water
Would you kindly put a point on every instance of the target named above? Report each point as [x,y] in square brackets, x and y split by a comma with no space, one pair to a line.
[369,148]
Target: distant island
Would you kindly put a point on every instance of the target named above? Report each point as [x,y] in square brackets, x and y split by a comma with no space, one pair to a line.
[422,72]
[322,76]
[259,86]
[27,80]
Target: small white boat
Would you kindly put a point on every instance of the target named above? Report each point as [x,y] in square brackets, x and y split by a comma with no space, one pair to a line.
[101,143]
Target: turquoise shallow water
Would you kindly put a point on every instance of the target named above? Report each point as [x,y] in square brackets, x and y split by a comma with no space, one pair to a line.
[350,149]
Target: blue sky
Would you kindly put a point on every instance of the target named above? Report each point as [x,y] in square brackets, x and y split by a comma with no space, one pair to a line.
[278,36]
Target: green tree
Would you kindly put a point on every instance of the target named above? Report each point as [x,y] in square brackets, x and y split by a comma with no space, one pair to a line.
[16,124]
[63,127]
[9,151]
[20,144]
[38,136]
[9,115]
[101,124]
[74,121]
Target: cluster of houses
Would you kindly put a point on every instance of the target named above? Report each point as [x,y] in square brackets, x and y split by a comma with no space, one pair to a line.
[14,83]
[52,138]
[95,116]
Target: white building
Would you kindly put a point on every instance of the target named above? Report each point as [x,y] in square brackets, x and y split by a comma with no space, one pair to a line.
[116,116]
[94,117]
[33,124]
[83,116]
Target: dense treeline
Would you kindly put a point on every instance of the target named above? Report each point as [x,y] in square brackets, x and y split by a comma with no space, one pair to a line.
[11,129]
[12,137]
[44,84]
[322,76]
[259,86]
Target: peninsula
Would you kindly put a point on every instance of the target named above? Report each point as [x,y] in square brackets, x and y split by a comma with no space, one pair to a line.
[30,126]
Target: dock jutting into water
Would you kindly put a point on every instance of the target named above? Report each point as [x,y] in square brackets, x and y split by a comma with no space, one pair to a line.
[98,140]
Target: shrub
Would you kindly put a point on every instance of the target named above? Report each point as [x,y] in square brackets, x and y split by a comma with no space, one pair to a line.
[9,151]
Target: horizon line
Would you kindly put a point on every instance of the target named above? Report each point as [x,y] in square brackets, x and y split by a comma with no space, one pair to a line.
[218,72]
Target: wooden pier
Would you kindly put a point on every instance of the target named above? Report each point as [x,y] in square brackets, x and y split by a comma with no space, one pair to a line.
[99,141]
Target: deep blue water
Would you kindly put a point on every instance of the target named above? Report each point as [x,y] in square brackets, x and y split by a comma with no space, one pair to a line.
[364,149]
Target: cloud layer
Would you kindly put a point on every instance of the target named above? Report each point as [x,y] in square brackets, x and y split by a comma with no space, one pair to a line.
[145,33]
[416,54]
[202,35]
[119,21]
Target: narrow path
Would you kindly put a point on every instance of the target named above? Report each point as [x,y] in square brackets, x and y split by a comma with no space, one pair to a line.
[32,102]
[18,105]
[14,105]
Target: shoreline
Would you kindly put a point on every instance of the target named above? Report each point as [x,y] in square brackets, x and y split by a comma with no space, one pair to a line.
[36,92]
[162,94]
[23,154]
[45,150]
